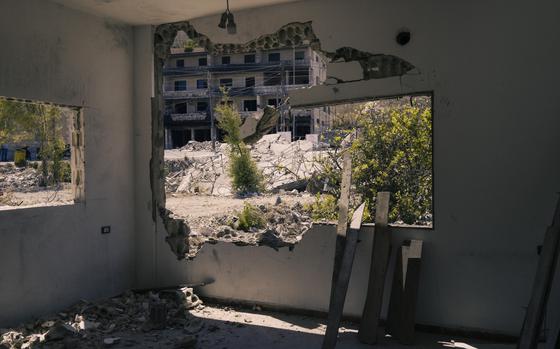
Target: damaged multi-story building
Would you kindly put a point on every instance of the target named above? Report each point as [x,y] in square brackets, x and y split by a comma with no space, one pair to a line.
[195,81]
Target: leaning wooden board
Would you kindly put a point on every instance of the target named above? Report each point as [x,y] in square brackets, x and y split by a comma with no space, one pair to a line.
[542,284]
[380,253]
[340,244]
[343,206]
[401,317]
[341,283]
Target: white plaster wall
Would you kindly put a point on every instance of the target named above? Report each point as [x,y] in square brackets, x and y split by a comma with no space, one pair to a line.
[492,67]
[52,257]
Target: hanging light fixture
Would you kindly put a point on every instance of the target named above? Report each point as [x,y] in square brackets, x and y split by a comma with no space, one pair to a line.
[227,20]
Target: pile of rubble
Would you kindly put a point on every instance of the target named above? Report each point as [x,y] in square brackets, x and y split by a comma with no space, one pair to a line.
[199,146]
[18,179]
[197,169]
[285,226]
[106,323]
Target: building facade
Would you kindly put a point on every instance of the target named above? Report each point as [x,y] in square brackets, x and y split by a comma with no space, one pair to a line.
[193,83]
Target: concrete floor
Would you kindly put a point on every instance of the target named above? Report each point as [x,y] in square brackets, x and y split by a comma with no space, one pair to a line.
[243,329]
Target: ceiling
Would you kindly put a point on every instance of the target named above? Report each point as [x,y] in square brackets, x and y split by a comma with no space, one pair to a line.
[138,12]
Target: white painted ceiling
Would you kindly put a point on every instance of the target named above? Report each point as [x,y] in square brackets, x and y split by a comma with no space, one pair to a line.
[160,11]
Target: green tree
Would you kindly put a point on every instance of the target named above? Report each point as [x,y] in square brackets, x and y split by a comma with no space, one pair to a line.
[245,176]
[392,151]
[24,122]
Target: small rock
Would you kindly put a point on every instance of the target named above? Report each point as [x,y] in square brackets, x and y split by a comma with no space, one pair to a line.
[86,325]
[278,201]
[111,340]
[187,342]
[58,331]
[48,324]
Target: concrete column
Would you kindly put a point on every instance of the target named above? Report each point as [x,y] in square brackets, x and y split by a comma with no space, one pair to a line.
[192,134]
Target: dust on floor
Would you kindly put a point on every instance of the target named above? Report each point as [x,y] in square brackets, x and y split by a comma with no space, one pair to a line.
[210,327]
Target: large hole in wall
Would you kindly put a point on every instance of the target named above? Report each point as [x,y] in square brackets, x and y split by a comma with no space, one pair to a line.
[41,154]
[234,162]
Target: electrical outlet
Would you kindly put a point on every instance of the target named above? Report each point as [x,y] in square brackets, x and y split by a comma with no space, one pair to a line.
[106,229]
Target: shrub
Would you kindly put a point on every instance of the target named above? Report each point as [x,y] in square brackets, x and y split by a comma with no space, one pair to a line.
[394,153]
[250,217]
[324,208]
[245,175]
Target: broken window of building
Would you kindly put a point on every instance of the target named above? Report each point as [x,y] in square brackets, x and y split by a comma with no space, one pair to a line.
[249,81]
[253,170]
[250,105]
[201,84]
[180,85]
[226,82]
[249,58]
[274,57]
[41,154]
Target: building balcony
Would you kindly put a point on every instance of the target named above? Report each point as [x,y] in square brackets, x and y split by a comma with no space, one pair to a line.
[276,89]
[232,68]
[190,116]
[168,93]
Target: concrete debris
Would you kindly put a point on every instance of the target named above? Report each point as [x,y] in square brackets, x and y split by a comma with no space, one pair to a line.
[196,169]
[21,179]
[109,322]
[111,340]
[285,226]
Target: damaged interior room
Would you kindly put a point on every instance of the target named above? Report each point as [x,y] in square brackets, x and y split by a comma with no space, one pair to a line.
[279,174]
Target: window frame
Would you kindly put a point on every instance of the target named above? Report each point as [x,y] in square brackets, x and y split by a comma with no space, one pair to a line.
[248,78]
[199,110]
[201,84]
[176,83]
[270,54]
[252,60]
[230,84]
[256,106]
[77,153]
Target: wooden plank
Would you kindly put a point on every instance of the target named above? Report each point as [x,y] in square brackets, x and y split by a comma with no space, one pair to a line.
[555,341]
[341,283]
[401,317]
[542,284]
[344,200]
[343,205]
[381,251]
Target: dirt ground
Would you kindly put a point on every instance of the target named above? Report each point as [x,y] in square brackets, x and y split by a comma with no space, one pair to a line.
[195,207]
[50,197]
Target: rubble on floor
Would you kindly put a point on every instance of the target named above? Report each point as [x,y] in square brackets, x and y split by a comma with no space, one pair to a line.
[127,319]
